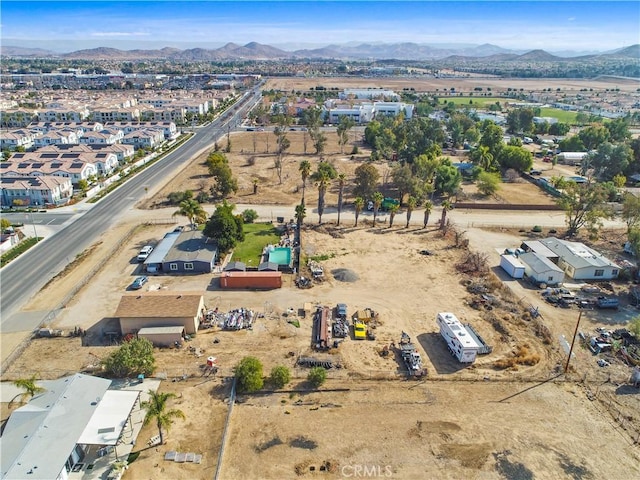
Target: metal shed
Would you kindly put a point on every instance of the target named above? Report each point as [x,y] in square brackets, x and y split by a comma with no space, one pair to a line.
[162,336]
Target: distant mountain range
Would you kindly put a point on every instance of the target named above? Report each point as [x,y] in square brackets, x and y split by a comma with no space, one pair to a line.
[257,51]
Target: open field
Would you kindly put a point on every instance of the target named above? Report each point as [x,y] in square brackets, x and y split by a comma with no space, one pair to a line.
[430,84]
[472,102]
[562,115]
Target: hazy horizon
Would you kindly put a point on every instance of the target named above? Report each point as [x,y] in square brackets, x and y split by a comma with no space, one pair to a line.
[62,26]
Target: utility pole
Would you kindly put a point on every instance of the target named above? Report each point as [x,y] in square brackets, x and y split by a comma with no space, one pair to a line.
[566,367]
[34,226]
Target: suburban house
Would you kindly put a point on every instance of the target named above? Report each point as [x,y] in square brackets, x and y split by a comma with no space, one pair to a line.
[540,270]
[36,190]
[121,151]
[581,262]
[160,309]
[57,137]
[76,417]
[17,138]
[17,118]
[168,128]
[76,170]
[146,138]
[183,252]
[123,114]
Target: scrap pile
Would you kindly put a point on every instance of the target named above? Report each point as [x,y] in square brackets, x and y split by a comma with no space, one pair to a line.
[627,345]
[238,319]
[317,272]
[340,322]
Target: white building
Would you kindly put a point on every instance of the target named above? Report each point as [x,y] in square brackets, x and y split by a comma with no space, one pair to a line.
[539,269]
[36,190]
[369,94]
[581,262]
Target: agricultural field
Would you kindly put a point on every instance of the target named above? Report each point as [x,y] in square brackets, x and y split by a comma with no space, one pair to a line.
[563,116]
[473,101]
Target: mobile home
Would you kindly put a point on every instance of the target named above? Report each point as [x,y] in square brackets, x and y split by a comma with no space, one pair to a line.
[459,341]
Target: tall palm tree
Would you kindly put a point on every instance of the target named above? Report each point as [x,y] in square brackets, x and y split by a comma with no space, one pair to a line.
[305,172]
[156,408]
[411,205]
[377,201]
[446,206]
[301,213]
[191,209]
[393,209]
[358,205]
[322,183]
[29,386]
[341,181]
[428,206]
[485,158]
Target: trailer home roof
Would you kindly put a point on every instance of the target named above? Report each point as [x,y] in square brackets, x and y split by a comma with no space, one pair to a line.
[458,329]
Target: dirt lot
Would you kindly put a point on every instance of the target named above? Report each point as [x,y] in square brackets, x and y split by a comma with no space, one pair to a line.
[460,84]
[451,426]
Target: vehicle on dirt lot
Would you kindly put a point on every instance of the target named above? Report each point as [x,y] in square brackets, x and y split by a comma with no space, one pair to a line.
[608,302]
[144,253]
[359,331]
[139,282]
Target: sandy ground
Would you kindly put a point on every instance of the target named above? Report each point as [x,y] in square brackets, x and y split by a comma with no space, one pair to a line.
[497,84]
[451,426]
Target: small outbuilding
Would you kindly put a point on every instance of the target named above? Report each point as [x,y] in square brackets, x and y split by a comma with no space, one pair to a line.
[514,267]
[268,267]
[541,270]
[251,280]
[235,267]
[160,309]
[162,336]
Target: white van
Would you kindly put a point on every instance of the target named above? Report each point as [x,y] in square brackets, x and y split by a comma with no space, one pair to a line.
[144,253]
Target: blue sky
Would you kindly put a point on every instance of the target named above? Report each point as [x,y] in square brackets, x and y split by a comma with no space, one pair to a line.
[554,26]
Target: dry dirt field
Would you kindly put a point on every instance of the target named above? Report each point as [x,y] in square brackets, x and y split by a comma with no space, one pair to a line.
[460,84]
[451,425]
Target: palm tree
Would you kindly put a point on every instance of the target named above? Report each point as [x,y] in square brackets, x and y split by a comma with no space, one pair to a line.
[393,209]
[29,386]
[446,206]
[359,205]
[485,158]
[428,206]
[157,408]
[301,212]
[191,209]
[377,201]
[341,180]
[322,183]
[305,171]
[411,205]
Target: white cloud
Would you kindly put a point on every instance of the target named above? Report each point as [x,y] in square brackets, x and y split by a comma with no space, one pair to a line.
[571,19]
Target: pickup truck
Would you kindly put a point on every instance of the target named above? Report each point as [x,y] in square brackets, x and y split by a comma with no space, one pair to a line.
[359,331]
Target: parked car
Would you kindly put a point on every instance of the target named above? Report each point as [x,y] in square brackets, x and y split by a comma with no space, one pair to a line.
[535,172]
[139,282]
[144,253]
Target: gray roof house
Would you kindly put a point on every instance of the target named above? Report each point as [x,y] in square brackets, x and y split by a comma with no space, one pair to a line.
[183,252]
[540,269]
[581,262]
[50,436]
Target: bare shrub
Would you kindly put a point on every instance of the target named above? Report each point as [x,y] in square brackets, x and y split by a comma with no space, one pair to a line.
[251,161]
[511,176]
[542,331]
[474,263]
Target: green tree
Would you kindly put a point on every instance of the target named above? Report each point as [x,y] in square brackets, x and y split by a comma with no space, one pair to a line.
[631,211]
[224,227]
[572,144]
[584,206]
[377,202]
[282,145]
[301,213]
[618,130]
[609,160]
[132,358]
[492,137]
[4,224]
[515,157]
[559,128]
[220,170]
[193,211]
[593,136]
[488,183]
[249,374]
[634,327]
[83,185]
[317,376]
[411,205]
[319,140]
[29,386]
[280,376]
[156,408]
[428,207]
[484,159]
[342,178]
[366,180]
[448,179]
[446,206]
[358,205]
[393,210]
[345,124]
[249,215]
[404,180]
[322,182]
[175,198]
[305,172]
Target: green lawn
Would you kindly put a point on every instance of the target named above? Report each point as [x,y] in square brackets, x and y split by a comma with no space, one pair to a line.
[477,101]
[256,237]
[563,116]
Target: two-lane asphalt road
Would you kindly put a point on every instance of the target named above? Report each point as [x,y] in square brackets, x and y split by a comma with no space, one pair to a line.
[25,276]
